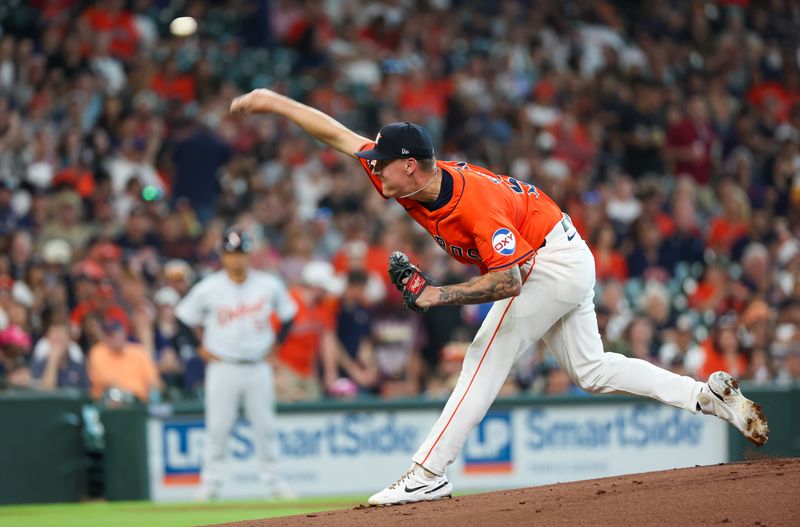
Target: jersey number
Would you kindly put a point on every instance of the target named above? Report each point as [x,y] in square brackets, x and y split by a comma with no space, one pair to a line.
[513,184]
[519,187]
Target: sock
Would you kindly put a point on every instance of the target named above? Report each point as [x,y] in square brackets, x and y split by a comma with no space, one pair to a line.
[425,472]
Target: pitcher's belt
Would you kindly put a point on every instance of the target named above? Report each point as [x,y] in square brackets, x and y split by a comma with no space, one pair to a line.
[566,223]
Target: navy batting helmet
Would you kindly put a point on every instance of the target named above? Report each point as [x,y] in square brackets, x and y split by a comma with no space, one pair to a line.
[236,240]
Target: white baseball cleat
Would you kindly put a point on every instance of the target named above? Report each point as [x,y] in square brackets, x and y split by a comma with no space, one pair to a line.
[722,397]
[414,485]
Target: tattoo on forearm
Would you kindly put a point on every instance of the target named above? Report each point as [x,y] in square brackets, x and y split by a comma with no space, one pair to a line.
[486,288]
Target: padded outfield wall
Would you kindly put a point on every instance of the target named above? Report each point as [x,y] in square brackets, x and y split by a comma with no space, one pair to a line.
[155,453]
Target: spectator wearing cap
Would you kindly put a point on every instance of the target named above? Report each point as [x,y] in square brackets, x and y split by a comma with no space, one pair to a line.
[116,363]
[311,344]
[57,361]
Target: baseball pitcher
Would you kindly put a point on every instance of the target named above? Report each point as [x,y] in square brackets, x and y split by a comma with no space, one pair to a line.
[232,310]
[534,266]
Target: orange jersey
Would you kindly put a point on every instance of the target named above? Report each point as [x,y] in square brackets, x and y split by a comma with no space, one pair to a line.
[299,351]
[491,221]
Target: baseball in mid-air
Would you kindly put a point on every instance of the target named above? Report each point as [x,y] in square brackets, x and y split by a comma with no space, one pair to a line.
[183,26]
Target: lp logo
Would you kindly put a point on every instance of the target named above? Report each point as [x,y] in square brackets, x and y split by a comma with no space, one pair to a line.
[489,445]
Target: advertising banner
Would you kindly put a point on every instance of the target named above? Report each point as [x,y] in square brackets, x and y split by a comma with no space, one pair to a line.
[357,453]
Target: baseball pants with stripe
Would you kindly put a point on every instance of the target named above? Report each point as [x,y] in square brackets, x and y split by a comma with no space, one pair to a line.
[556,304]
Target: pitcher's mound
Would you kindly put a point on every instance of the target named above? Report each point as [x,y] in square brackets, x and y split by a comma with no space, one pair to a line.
[756,493]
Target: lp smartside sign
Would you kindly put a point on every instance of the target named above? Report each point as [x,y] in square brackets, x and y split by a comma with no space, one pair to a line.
[514,447]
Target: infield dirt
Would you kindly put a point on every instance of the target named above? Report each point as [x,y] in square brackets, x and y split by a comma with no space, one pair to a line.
[755,493]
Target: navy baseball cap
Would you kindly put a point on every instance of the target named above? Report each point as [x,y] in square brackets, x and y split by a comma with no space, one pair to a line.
[235,240]
[400,140]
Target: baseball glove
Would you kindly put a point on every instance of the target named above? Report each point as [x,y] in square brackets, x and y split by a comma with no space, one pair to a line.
[408,279]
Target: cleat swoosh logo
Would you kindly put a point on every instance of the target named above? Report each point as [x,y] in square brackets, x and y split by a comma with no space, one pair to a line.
[416,489]
[437,488]
[569,238]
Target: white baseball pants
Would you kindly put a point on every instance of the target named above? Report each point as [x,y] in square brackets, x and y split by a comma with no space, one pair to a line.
[555,304]
[227,387]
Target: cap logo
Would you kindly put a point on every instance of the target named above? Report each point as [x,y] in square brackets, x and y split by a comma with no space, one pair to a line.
[378,138]
[404,151]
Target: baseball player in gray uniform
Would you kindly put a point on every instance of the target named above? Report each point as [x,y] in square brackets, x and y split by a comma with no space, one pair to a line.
[231,311]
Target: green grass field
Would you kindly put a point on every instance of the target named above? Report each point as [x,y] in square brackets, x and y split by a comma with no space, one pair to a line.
[135,514]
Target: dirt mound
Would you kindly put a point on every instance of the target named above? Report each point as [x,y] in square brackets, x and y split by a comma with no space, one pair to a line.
[764,492]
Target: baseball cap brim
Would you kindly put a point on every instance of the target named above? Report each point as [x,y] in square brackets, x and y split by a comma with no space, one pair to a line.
[374,155]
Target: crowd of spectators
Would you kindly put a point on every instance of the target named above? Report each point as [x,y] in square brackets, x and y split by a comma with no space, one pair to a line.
[669,131]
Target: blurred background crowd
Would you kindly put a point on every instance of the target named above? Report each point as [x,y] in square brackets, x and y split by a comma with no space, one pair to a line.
[668,130]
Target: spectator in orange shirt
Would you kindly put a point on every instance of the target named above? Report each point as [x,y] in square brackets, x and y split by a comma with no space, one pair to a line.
[713,291]
[112,18]
[609,261]
[312,339]
[172,84]
[652,199]
[732,224]
[101,303]
[116,363]
[722,350]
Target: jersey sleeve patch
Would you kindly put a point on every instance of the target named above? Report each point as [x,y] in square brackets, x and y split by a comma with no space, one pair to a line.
[499,243]
[504,242]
